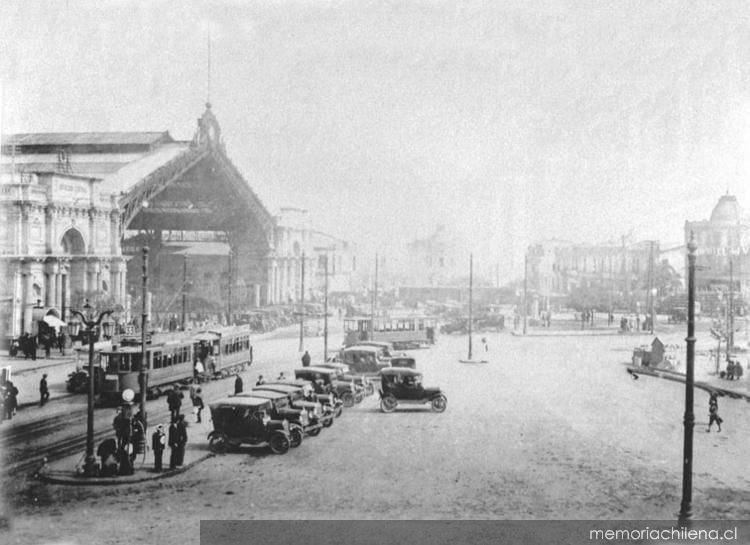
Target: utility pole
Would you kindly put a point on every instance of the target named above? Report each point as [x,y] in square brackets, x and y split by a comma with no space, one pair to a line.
[651,293]
[525,288]
[325,314]
[373,301]
[302,308]
[229,284]
[471,296]
[143,375]
[184,292]
[730,317]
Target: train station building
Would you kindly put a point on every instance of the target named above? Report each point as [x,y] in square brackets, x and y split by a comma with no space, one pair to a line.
[77,208]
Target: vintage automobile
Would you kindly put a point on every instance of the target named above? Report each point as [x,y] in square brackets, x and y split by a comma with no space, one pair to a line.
[330,402]
[308,415]
[246,421]
[366,360]
[326,381]
[401,385]
[362,382]
[303,397]
[403,361]
[280,410]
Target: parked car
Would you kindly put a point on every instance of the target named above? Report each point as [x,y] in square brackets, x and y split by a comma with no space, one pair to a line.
[367,360]
[308,415]
[330,402]
[326,381]
[403,361]
[360,380]
[280,410]
[246,421]
[401,385]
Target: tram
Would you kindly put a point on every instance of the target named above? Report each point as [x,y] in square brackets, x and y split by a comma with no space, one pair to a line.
[402,332]
[222,351]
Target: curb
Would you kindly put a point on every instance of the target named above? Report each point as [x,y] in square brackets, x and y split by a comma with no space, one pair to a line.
[39,367]
[60,477]
[29,404]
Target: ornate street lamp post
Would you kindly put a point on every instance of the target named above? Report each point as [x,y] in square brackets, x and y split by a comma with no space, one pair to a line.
[91,323]
[689,419]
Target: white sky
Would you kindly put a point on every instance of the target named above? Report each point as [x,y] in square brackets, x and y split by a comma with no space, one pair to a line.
[508,122]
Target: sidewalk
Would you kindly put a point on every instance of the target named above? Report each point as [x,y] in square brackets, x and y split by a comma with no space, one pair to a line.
[64,471]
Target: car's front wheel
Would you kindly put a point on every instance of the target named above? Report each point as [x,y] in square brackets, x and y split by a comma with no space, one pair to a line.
[314,432]
[348,399]
[218,443]
[279,442]
[388,404]
[369,389]
[359,397]
[296,435]
[439,403]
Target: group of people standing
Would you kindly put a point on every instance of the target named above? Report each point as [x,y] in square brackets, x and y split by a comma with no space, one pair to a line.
[734,370]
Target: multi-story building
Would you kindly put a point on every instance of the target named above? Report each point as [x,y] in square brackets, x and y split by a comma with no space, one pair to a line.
[723,251]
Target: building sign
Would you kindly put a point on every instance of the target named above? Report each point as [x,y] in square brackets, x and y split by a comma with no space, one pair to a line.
[71,191]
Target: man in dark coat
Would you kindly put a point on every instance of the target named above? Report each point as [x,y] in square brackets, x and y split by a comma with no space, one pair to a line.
[158,444]
[306,359]
[174,401]
[238,385]
[43,391]
[177,440]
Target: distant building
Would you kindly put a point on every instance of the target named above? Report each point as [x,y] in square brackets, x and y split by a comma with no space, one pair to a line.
[437,260]
[556,267]
[723,250]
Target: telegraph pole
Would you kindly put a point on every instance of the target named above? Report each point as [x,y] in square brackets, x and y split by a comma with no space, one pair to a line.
[143,376]
[651,293]
[525,288]
[302,308]
[229,289]
[184,292]
[730,317]
[325,315]
[471,297]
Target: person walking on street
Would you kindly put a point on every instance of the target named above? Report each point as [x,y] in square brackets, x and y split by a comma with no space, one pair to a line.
[174,401]
[713,412]
[261,381]
[198,404]
[177,441]
[11,400]
[43,391]
[306,359]
[238,385]
[158,444]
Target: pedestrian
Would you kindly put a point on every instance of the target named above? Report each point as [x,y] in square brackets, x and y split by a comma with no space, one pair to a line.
[282,376]
[193,389]
[32,348]
[61,342]
[47,342]
[730,370]
[174,401]
[43,391]
[198,370]
[107,453]
[306,359]
[738,370]
[198,404]
[238,384]
[484,343]
[261,381]
[177,441]
[158,444]
[11,400]
[713,412]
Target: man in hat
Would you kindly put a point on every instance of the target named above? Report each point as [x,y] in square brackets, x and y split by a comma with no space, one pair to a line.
[158,444]
[43,391]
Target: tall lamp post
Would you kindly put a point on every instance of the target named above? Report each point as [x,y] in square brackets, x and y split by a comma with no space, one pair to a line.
[302,308]
[91,323]
[689,419]
[142,376]
[325,314]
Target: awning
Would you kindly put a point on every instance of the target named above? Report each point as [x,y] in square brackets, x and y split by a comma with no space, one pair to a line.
[53,321]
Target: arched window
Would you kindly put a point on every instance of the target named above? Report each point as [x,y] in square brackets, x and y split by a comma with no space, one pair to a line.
[72,242]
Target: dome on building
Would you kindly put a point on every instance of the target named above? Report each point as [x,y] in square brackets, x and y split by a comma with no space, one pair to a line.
[727,210]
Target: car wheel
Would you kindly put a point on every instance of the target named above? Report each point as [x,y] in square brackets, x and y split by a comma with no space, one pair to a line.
[388,404]
[370,389]
[348,399]
[338,411]
[296,435]
[218,443]
[358,397]
[327,421]
[314,432]
[439,403]
[279,443]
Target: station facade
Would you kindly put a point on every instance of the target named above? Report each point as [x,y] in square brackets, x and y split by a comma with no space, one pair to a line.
[77,208]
